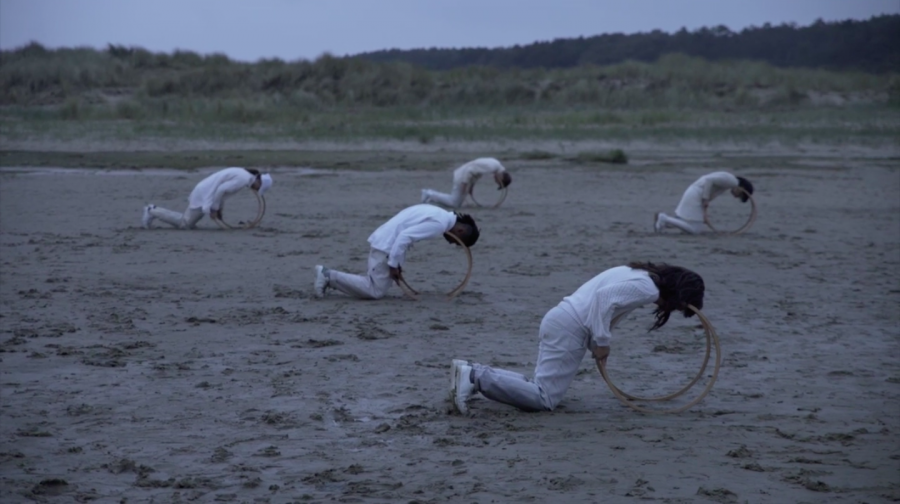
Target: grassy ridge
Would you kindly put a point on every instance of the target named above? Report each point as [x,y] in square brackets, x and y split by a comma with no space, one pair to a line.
[130,94]
[336,160]
[186,160]
[863,124]
[132,82]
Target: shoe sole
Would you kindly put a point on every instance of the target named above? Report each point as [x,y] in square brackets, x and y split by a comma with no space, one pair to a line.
[148,216]
[455,374]
[319,269]
[454,379]
[454,371]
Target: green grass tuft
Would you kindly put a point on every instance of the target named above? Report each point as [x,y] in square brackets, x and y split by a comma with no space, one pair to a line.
[536,155]
[615,156]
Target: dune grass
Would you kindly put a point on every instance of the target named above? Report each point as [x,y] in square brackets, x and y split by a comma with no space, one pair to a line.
[615,156]
[863,124]
[130,94]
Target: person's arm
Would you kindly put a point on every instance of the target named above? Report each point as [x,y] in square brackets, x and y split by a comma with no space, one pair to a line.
[706,193]
[607,300]
[498,171]
[227,186]
[474,170]
[600,354]
[720,179]
[421,231]
[217,214]
[604,305]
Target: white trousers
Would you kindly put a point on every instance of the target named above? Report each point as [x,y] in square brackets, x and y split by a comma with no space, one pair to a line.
[372,286]
[564,342]
[692,227]
[186,220]
[453,200]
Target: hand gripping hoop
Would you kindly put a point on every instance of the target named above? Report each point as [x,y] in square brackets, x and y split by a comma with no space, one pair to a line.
[711,339]
[743,228]
[252,224]
[495,205]
[414,294]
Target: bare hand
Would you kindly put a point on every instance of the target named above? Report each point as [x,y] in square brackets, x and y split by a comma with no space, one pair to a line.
[600,354]
[395,273]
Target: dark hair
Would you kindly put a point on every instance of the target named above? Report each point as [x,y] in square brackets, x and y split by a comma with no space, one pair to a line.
[678,287]
[471,234]
[505,179]
[747,186]
[254,172]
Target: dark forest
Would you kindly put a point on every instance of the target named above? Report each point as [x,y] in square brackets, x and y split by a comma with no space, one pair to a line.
[870,46]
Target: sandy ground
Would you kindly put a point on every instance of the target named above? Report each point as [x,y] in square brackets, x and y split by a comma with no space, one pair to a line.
[174,366]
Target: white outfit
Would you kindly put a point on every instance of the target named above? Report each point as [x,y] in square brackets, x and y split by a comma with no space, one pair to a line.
[463,179]
[389,245]
[209,195]
[689,213]
[581,321]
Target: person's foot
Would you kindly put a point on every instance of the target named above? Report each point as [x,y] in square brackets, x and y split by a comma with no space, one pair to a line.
[147,219]
[321,280]
[461,386]
[424,195]
[657,225]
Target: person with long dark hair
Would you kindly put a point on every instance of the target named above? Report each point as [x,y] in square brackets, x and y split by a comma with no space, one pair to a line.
[464,179]
[689,215]
[208,197]
[389,244]
[582,321]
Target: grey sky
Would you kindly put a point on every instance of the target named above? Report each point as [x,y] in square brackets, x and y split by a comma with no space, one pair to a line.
[293,29]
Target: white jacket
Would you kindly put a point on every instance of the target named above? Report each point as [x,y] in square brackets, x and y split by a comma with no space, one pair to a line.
[603,300]
[211,191]
[418,222]
[473,170]
[707,187]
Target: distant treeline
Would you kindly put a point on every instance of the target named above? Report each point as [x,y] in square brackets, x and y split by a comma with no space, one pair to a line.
[870,46]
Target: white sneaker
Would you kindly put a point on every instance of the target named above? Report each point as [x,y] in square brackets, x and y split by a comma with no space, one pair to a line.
[321,280]
[424,195]
[657,226]
[461,387]
[147,219]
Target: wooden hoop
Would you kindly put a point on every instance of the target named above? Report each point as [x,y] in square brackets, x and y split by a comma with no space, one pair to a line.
[495,205]
[711,339]
[250,225]
[414,294]
[409,291]
[743,228]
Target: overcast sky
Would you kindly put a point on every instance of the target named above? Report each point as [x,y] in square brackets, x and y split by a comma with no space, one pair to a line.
[304,29]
